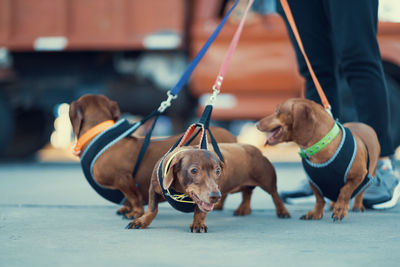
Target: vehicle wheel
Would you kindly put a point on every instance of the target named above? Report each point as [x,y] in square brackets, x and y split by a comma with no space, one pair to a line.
[7,124]
[32,132]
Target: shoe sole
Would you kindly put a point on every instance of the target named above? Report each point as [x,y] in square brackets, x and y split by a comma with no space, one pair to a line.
[391,203]
[300,200]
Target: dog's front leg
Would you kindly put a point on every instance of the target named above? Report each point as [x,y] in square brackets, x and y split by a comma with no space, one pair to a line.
[151,212]
[341,207]
[125,208]
[199,219]
[133,196]
[318,211]
[220,204]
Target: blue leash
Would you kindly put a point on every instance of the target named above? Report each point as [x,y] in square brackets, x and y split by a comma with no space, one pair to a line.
[186,75]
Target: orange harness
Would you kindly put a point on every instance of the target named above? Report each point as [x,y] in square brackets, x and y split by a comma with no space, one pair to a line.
[89,135]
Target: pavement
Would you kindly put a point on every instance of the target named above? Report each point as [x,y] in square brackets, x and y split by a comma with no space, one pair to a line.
[50,216]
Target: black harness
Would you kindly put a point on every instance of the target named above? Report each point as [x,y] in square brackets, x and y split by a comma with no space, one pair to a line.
[177,200]
[103,141]
[330,177]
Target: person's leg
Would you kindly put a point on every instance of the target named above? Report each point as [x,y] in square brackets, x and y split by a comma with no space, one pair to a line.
[314,30]
[354,29]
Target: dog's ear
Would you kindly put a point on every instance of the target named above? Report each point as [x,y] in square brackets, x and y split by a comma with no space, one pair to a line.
[115,111]
[174,168]
[303,117]
[76,117]
[221,164]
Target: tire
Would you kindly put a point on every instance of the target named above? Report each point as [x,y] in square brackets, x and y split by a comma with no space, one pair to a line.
[7,124]
[32,132]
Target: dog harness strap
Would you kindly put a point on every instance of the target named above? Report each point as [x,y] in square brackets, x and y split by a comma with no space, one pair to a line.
[143,149]
[205,121]
[292,23]
[95,148]
[90,134]
[321,144]
[101,143]
[330,177]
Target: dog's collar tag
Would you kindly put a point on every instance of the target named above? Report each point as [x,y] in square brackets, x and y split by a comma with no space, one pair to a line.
[321,144]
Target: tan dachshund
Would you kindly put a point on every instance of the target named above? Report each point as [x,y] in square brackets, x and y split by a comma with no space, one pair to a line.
[200,174]
[305,123]
[114,167]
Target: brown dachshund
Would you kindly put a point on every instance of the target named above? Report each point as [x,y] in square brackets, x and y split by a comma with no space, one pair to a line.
[114,167]
[305,123]
[200,174]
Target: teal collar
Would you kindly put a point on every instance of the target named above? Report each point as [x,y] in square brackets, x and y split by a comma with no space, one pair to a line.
[321,144]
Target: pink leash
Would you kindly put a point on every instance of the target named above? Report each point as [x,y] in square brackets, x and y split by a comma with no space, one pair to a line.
[224,66]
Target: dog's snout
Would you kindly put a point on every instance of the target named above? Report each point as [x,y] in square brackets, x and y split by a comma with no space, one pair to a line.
[214,196]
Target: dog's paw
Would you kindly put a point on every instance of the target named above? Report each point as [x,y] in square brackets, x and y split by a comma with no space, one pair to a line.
[198,228]
[123,210]
[284,214]
[311,215]
[358,208]
[134,214]
[242,210]
[339,212]
[137,224]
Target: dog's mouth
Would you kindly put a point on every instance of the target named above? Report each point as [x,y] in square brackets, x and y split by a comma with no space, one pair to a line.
[273,136]
[203,206]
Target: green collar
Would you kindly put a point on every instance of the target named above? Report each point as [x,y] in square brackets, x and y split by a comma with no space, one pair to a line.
[321,144]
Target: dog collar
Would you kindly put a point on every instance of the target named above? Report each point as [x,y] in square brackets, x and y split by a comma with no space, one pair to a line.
[90,134]
[180,197]
[321,144]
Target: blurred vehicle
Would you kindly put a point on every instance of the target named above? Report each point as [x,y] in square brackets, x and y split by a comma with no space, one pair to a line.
[53,51]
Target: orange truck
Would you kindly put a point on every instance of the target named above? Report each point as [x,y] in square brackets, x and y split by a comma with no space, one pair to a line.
[53,51]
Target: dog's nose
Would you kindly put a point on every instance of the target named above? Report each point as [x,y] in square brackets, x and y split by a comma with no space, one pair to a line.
[214,196]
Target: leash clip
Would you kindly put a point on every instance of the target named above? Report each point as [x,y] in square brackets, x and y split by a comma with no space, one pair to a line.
[166,103]
[216,89]
[329,110]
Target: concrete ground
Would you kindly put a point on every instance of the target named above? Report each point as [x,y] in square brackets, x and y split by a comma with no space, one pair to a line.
[49,216]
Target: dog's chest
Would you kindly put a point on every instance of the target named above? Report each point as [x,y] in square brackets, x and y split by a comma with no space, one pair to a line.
[330,177]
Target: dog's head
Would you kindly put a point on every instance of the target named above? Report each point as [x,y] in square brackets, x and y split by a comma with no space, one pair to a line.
[90,110]
[293,120]
[197,171]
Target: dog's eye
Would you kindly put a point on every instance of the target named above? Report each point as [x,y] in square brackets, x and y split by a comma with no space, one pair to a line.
[218,171]
[194,170]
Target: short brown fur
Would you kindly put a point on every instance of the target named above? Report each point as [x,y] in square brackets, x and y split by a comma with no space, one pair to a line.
[305,123]
[243,166]
[114,167]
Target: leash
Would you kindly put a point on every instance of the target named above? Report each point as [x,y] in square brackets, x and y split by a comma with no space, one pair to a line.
[173,93]
[181,201]
[100,141]
[346,152]
[225,63]
[292,23]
